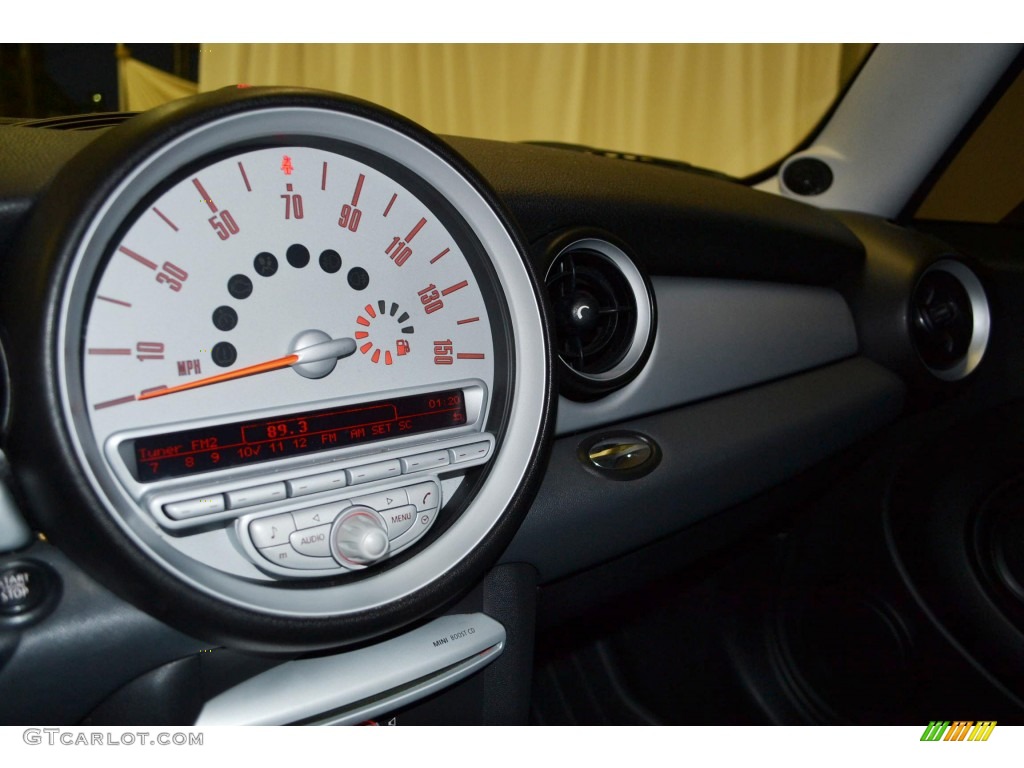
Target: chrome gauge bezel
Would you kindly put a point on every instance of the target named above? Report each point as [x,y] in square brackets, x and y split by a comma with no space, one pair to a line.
[525,406]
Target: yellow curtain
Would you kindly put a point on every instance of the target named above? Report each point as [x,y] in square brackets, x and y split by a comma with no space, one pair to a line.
[734,107]
[141,87]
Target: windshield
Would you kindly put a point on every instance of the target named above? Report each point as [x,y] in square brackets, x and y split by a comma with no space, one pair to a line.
[735,108]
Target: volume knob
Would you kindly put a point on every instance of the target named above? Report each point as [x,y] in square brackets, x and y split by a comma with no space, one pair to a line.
[359,537]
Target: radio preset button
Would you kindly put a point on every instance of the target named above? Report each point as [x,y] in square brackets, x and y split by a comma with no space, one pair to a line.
[431,460]
[315,542]
[207,505]
[322,515]
[469,452]
[261,494]
[317,483]
[380,470]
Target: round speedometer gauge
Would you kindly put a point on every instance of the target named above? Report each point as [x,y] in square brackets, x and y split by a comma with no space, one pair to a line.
[270,280]
[300,362]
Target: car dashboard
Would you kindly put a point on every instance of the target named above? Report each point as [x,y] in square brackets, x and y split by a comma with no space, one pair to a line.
[297,393]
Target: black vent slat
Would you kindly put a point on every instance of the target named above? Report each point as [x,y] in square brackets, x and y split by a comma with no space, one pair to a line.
[593,306]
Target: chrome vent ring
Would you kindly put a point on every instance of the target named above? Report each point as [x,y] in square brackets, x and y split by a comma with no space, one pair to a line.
[949,320]
[604,315]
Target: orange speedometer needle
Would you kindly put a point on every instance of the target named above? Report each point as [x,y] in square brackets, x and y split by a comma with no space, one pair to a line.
[249,370]
[334,348]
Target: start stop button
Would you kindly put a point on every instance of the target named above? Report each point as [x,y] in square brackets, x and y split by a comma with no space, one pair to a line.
[26,588]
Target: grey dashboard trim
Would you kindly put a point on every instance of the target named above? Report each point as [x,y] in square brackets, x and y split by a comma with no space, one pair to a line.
[716,336]
[349,688]
[715,454]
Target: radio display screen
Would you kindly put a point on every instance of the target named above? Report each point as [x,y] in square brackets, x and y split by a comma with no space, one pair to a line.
[191,451]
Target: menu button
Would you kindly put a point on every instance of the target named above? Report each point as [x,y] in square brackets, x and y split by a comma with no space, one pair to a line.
[399,520]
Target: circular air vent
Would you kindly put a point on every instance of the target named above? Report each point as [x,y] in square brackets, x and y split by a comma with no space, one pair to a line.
[604,315]
[949,319]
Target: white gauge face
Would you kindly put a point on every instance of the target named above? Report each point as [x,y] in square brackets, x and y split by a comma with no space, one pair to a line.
[245,261]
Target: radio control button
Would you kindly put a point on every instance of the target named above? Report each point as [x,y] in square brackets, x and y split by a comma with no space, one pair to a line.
[422,495]
[421,461]
[271,531]
[324,514]
[359,537]
[315,542]
[261,494]
[469,452]
[420,524]
[383,500]
[399,520]
[317,483]
[377,471]
[183,510]
[286,557]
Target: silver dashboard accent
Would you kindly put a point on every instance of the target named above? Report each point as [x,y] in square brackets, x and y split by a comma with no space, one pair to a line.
[715,336]
[285,539]
[620,262]
[352,687]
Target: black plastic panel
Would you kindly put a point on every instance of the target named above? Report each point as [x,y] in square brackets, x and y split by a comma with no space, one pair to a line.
[90,646]
[677,222]
[30,159]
